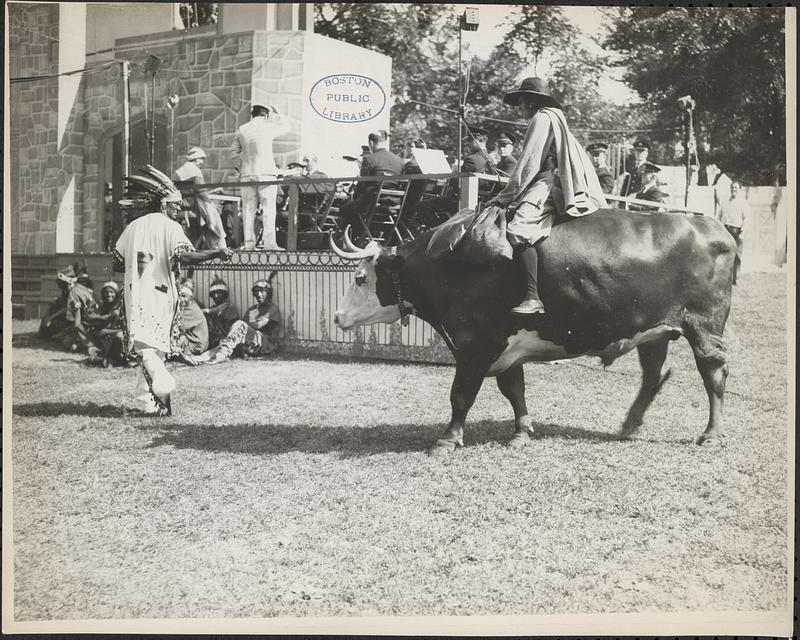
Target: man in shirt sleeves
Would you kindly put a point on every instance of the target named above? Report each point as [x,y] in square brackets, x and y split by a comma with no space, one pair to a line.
[252,151]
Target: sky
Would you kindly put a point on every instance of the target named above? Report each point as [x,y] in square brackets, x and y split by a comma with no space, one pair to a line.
[588,20]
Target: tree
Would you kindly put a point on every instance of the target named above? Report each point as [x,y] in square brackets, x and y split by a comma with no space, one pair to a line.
[542,41]
[731,61]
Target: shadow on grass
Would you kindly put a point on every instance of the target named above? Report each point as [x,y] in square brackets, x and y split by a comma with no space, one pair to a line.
[32,339]
[348,441]
[54,409]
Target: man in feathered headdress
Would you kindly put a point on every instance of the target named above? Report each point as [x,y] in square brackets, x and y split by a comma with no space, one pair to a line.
[150,251]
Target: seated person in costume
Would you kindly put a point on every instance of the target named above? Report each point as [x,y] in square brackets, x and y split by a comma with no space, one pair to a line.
[259,334]
[221,312]
[193,334]
[81,305]
[108,327]
[54,325]
[380,162]
[549,179]
[212,231]
[599,153]
[650,190]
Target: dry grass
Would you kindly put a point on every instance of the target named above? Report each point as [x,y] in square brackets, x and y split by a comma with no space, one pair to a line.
[299,487]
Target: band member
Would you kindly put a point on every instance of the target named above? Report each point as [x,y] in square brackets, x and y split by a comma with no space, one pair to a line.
[599,154]
[505,149]
[650,189]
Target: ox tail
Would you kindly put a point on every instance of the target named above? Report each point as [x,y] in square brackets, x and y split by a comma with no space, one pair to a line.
[706,344]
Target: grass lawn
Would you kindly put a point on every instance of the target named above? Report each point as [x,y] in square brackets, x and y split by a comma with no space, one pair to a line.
[300,487]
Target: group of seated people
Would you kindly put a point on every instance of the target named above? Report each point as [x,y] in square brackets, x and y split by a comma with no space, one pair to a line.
[79,322]
[209,334]
[213,334]
[641,181]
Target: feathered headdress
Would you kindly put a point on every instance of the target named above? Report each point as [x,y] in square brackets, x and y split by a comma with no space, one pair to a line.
[150,187]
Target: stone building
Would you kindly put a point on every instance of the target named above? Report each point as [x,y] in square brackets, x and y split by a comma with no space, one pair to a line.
[66,129]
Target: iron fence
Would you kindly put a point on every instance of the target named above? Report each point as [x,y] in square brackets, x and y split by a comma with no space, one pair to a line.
[307,289]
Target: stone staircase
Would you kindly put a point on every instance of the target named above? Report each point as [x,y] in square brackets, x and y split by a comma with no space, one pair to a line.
[33,279]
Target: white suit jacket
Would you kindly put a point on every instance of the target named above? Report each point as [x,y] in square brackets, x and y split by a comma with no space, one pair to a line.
[253,145]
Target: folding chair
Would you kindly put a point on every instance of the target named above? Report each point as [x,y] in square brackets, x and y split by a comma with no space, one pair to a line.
[382,220]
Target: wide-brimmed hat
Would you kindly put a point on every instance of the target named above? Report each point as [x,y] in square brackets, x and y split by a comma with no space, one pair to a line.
[533,87]
[597,146]
[195,153]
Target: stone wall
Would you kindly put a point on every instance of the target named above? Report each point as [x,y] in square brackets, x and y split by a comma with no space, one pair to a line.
[33,51]
[57,185]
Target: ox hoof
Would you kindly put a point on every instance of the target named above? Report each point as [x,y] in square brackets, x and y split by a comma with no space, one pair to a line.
[519,440]
[711,440]
[442,448]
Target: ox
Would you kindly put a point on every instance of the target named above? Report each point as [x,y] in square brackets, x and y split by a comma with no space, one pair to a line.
[611,282]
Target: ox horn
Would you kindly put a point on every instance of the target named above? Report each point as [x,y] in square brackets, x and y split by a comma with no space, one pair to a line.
[357,254]
[348,242]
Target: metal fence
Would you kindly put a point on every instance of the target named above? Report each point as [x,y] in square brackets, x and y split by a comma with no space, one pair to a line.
[307,289]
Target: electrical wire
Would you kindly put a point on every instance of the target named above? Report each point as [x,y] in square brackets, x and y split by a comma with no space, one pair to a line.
[51,76]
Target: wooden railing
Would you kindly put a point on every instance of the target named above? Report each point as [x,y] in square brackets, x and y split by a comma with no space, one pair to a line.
[468,196]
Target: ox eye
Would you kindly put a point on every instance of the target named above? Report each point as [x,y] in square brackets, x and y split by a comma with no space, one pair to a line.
[361,280]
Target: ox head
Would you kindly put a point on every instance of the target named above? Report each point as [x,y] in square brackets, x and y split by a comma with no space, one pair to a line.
[370,298]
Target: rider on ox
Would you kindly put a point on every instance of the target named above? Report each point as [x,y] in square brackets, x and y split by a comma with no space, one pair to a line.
[612,281]
[554,175]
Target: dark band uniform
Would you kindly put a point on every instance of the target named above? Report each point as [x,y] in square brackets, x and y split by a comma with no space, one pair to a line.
[507,163]
[651,193]
[604,174]
[380,163]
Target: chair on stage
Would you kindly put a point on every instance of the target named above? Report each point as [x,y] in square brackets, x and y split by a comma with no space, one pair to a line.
[383,220]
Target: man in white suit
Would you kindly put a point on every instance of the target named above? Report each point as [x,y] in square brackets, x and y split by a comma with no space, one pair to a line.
[252,150]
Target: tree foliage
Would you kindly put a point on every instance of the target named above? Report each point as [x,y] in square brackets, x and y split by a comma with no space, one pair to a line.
[542,41]
[731,61]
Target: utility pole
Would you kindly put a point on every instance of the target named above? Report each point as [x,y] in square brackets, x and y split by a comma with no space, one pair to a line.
[468,21]
[126,118]
[687,105]
[152,65]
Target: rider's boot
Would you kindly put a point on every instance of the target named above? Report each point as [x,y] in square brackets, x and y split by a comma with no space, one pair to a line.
[531,304]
